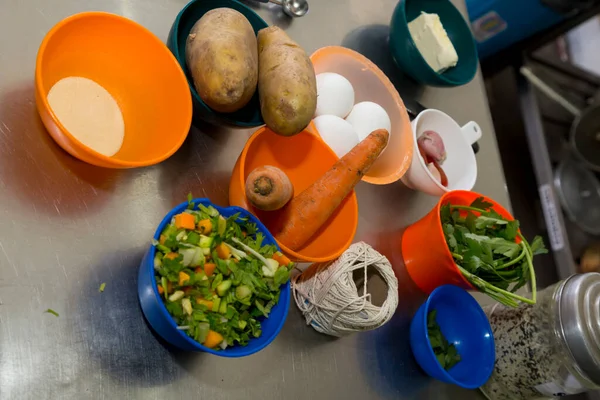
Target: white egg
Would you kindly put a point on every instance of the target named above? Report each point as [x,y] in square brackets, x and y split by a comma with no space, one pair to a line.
[337,133]
[335,95]
[367,117]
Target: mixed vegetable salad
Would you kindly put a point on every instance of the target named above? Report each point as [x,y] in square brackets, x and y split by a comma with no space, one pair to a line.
[216,276]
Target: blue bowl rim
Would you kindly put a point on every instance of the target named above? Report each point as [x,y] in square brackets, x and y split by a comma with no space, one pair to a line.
[444,78]
[195,94]
[461,292]
[163,310]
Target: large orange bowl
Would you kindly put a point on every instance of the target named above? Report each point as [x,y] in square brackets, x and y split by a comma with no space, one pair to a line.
[135,67]
[371,84]
[304,158]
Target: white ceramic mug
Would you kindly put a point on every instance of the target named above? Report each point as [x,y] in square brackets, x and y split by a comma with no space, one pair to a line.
[460,165]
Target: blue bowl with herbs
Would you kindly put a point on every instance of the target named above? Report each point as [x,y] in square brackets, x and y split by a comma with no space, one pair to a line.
[214,280]
[451,338]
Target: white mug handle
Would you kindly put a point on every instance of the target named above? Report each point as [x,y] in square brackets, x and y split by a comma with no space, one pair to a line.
[471,131]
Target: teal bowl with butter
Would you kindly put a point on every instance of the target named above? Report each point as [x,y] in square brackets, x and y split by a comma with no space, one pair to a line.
[409,59]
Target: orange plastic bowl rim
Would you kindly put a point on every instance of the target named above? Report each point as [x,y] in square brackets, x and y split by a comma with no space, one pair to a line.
[425,252]
[371,84]
[304,167]
[135,67]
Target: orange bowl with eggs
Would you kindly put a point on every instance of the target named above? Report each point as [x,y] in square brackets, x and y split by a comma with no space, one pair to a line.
[136,69]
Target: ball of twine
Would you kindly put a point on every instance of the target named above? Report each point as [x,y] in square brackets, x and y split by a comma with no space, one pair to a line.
[328,297]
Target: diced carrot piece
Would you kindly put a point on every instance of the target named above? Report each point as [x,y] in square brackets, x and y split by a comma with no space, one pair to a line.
[223,251]
[213,339]
[198,270]
[207,303]
[185,220]
[162,239]
[183,278]
[244,234]
[281,258]
[209,268]
[235,260]
[204,226]
[160,289]
[172,256]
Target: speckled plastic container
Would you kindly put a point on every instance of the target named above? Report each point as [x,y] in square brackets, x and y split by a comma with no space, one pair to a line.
[550,349]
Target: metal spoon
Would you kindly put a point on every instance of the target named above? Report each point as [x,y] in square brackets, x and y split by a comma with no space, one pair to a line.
[293,8]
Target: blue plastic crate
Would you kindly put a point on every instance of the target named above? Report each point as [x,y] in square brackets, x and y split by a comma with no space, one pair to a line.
[497,24]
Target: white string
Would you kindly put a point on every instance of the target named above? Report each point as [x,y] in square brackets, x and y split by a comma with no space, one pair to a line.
[328,297]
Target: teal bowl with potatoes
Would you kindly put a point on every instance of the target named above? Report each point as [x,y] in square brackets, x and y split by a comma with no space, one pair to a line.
[409,59]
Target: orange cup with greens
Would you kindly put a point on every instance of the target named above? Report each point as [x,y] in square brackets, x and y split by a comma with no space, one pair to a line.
[470,241]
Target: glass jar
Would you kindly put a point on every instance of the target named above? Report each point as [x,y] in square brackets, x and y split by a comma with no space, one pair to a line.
[550,349]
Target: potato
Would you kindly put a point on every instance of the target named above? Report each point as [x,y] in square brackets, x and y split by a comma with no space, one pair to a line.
[221,54]
[286,83]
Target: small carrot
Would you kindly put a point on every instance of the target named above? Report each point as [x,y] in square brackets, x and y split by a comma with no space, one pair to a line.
[185,220]
[162,239]
[302,217]
[281,258]
[223,251]
[207,303]
[171,255]
[204,226]
[213,339]
[209,268]
[161,290]
[183,278]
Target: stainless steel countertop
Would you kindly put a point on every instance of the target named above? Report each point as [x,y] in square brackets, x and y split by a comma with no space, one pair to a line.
[66,227]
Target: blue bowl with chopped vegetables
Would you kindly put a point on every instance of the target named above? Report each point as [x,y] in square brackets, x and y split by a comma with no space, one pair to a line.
[214,280]
[451,338]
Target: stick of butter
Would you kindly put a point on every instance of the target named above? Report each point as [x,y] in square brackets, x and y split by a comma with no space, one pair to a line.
[433,42]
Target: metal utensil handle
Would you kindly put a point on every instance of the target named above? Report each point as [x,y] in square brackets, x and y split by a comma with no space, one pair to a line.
[550,92]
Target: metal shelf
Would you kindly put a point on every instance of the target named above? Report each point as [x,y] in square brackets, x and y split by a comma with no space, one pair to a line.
[559,242]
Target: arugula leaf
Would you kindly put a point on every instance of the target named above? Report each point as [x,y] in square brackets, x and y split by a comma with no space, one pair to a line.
[481,203]
[510,231]
[483,222]
[445,213]
[537,246]
[445,352]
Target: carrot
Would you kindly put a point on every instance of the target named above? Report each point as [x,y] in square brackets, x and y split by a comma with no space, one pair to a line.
[207,303]
[281,258]
[162,239]
[205,226]
[169,287]
[209,268]
[223,251]
[213,339]
[160,289]
[171,255]
[183,278]
[268,188]
[185,220]
[302,217]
